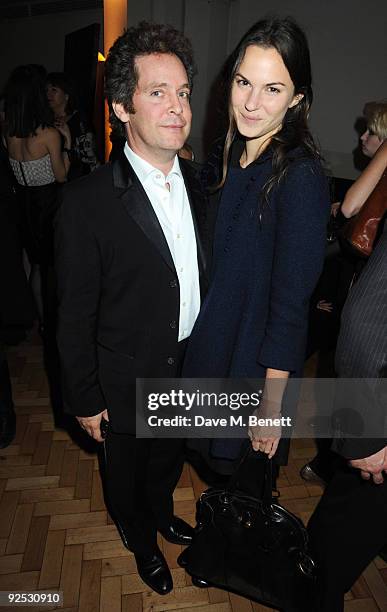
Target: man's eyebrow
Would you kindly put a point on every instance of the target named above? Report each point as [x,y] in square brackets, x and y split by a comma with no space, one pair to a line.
[156,84]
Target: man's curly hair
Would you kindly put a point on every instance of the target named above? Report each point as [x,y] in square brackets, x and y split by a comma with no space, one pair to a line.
[121,74]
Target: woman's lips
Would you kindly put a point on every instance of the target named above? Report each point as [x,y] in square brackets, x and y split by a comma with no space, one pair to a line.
[250,119]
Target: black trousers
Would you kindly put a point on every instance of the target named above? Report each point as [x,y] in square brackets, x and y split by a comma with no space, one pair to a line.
[347,530]
[139,477]
[6,403]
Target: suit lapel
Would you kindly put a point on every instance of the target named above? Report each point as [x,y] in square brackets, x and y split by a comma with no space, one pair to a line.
[197,203]
[139,208]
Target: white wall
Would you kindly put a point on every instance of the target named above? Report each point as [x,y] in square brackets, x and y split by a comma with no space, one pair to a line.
[348,46]
[206,23]
[347,38]
[40,40]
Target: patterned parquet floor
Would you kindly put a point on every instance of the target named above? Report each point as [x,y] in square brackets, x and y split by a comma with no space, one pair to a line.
[55,532]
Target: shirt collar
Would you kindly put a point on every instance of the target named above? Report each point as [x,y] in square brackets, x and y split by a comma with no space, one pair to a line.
[176,168]
[144,169]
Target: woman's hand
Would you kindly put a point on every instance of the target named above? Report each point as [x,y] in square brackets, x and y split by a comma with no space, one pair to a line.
[265,438]
[64,129]
[261,442]
[59,120]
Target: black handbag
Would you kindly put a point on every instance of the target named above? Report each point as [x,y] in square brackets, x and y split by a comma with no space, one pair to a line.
[253,547]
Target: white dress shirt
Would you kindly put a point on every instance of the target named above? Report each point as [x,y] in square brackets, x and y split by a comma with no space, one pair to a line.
[169,199]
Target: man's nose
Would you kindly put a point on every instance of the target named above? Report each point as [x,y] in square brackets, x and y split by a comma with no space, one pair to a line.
[176,105]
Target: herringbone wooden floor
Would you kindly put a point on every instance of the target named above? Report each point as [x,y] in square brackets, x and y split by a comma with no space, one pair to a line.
[55,532]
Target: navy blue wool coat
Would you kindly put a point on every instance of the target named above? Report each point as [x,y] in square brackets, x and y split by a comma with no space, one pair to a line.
[267,258]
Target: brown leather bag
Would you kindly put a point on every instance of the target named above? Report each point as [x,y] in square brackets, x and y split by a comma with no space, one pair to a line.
[362,229]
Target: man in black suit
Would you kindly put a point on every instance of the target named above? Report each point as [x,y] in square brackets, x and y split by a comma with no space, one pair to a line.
[349,527]
[130,269]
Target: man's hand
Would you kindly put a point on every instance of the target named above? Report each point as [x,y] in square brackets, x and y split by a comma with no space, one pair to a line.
[323,305]
[92,425]
[372,466]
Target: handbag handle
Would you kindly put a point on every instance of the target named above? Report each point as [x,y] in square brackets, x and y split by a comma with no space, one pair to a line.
[267,492]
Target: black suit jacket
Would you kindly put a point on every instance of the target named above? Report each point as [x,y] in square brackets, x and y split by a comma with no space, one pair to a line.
[362,354]
[118,290]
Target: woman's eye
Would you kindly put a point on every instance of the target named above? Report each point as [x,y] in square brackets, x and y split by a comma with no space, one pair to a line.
[242,82]
[273,90]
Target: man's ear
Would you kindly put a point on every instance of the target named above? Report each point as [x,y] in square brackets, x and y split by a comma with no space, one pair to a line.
[297,98]
[120,112]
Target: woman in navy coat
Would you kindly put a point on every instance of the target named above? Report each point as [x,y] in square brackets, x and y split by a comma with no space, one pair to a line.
[270,207]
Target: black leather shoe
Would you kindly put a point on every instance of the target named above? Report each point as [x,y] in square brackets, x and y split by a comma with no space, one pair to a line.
[178,532]
[308,474]
[199,582]
[154,571]
[7,428]
[383,554]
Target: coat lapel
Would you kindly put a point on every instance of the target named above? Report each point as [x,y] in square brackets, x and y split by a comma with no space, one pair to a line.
[138,206]
[197,201]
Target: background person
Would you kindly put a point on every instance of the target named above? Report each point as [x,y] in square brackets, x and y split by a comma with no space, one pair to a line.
[349,528]
[63,101]
[349,266]
[372,140]
[38,165]
[16,302]
[186,152]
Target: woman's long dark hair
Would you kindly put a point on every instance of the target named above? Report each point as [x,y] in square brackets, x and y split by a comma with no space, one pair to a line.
[26,104]
[289,40]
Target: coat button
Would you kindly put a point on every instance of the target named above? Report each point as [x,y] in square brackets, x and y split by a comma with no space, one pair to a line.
[170,361]
[173,283]
[173,324]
